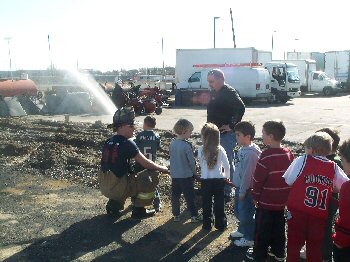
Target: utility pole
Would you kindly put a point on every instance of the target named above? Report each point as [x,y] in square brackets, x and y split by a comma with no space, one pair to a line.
[215,17]
[233,30]
[163,58]
[51,66]
[8,39]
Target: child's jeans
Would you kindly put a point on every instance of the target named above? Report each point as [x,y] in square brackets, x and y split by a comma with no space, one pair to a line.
[245,212]
[185,186]
[213,188]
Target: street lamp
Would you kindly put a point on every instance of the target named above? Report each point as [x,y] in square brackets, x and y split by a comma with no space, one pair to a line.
[215,17]
[272,42]
[8,39]
[296,39]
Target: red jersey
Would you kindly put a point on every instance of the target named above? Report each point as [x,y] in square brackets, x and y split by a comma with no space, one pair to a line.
[342,225]
[313,187]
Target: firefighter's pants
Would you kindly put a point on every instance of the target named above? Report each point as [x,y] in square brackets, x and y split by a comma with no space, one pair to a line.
[142,186]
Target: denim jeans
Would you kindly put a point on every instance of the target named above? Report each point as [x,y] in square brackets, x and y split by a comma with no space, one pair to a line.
[228,142]
[245,211]
[185,186]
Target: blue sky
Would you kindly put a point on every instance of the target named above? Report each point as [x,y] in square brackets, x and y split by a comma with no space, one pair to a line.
[110,34]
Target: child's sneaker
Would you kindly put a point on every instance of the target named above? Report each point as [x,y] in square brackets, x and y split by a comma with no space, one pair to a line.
[176,218]
[236,234]
[276,258]
[250,254]
[196,219]
[158,208]
[243,242]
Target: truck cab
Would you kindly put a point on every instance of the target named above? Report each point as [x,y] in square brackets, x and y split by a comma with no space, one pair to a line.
[285,81]
[319,81]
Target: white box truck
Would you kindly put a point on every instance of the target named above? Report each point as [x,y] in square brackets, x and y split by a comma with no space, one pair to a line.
[250,82]
[305,66]
[337,65]
[190,60]
[312,80]
[319,57]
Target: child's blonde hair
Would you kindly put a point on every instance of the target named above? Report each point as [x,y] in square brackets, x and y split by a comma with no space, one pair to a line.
[182,125]
[211,141]
[320,143]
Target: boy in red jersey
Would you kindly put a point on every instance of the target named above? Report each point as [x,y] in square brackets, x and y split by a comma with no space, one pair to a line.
[312,178]
[341,248]
[270,193]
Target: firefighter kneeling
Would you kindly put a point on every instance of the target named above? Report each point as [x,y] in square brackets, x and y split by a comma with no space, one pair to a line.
[116,179]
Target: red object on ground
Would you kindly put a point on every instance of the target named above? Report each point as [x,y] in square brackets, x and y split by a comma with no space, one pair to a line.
[9,88]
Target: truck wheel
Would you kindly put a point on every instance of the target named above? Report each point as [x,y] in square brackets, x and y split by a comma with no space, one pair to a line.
[159,110]
[247,101]
[283,100]
[271,100]
[327,91]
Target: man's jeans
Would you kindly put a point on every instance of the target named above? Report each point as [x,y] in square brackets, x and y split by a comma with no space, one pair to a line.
[228,142]
[245,212]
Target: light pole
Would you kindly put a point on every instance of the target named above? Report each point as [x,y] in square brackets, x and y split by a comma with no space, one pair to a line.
[8,39]
[215,17]
[272,42]
[296,39]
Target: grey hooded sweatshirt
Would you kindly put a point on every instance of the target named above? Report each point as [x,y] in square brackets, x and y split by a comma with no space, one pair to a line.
[245,164]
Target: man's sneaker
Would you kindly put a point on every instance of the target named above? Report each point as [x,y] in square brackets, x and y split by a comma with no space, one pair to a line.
[176,218]
[250,254]
[242,242]
[236,234]
[196,219]
[303,253]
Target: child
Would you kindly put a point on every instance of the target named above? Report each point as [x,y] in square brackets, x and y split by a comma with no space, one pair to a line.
[212,158]
[270,192]
[148,142]
[183,170]
[246,160]
[312,178]
[341,247]
[327,245]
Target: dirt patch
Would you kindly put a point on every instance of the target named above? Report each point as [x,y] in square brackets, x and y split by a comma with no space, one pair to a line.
[71,151]
[49,200]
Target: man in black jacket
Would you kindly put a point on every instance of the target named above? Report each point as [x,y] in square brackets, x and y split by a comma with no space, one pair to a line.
[225,110]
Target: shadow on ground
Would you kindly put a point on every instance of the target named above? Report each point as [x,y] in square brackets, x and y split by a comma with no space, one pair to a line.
[103,239]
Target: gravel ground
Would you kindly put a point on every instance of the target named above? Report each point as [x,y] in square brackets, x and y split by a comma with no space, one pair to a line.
[51,209]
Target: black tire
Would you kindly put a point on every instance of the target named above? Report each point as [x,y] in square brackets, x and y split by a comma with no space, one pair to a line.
[247,101]
[327,91]
[141,111]
[284,100]
[271,100]
[159,110]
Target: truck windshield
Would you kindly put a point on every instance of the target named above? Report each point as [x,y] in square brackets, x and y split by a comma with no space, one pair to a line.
[325,76]
[293,75]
